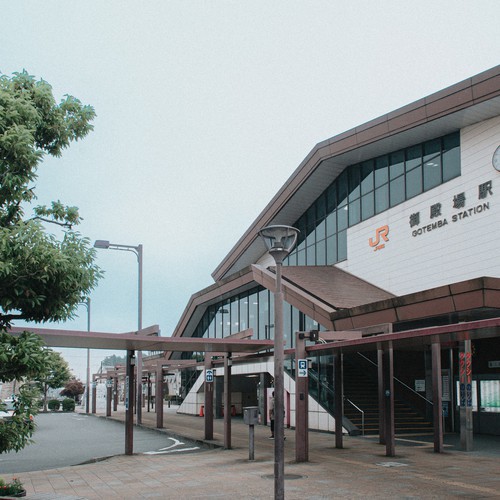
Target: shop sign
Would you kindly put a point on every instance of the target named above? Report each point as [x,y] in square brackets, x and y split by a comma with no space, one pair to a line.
[437,217]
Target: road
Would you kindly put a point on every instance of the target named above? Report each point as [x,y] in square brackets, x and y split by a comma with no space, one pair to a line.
[63,439]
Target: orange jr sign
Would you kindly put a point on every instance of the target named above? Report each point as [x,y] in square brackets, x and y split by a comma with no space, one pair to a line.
[381,236]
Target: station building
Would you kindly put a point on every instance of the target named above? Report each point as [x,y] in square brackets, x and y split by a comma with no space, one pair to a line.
[399,223]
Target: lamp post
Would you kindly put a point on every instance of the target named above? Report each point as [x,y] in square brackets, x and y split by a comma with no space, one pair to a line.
[137,250]
[87,397]
[279,241]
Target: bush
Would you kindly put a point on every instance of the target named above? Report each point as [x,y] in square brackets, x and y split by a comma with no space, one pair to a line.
[68,404]
[54,404]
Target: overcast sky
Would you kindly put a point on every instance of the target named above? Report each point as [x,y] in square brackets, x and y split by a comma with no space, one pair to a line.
[205,108]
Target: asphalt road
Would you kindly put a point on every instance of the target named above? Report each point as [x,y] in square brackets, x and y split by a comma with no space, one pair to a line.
[63,439]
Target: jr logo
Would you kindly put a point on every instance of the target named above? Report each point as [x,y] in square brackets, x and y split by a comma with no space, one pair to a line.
[382,233]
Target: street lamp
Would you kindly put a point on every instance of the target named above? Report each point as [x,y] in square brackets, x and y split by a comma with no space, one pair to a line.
[279,241]
[137,250]
[87,396]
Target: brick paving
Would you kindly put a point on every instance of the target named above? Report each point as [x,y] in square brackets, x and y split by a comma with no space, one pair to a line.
[359,470]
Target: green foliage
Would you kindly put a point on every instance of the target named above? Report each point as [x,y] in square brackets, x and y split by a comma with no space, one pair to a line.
[41,278]
[68,404]
[114,360]
[54,404]
[15,487]
[23,356]
[16,432]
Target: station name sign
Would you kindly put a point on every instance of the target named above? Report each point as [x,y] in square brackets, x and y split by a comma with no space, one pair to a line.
[439,218]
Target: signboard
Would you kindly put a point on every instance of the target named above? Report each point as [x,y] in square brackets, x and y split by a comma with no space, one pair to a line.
[493,364]
[209,375]
[302,368]
[109,383]
[420,385]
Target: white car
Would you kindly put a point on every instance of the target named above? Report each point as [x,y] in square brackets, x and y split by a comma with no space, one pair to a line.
[7,408]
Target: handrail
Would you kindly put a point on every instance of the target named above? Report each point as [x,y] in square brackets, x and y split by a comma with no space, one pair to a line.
[397,380]
[362,415]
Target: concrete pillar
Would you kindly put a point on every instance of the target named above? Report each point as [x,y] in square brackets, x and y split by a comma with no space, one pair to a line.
[437,395]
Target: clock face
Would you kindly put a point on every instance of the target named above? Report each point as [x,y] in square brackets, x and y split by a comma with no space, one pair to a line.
[496,159]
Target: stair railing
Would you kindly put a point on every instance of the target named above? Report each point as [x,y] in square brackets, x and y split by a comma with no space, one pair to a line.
[397,380]
[362,415]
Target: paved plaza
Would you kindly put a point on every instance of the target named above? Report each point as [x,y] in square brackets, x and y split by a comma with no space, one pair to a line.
[360,470]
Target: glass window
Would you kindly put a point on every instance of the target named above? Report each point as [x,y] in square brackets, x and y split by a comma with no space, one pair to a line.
[414,182]
[413,157]
[253,313]
[331,250]
[331,223]
[235,320]
[368,205]
[432,164]
[381,171]
[321,207]
[301,258]
[311,255]
[342,217]
[311,219]
[321,230]
[367,176]
[397,190]
[396,164]
[354,182]
[451,156]
[342,245]
[381,198]
[331,197]
[321,253]
[243,312]
[354,212]
[263,314]
[342,188]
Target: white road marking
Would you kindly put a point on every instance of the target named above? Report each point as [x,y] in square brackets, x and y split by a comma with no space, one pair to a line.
[170,449]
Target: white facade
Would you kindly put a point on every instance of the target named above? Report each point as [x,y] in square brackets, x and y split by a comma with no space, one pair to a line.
[461,246]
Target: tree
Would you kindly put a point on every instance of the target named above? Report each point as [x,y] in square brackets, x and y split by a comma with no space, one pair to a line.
[57,375]
[43,278]
[73,388]
[113,360]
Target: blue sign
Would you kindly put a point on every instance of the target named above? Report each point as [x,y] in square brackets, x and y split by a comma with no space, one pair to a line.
[209,376]
[302,368]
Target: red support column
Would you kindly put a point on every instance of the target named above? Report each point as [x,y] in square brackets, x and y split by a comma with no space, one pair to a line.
[437,395]
[388,379]
[339,398]
[209,401]
[227,400]
[159,395]
[301,404]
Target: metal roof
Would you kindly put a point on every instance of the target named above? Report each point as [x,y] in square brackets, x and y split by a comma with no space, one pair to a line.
[132,341]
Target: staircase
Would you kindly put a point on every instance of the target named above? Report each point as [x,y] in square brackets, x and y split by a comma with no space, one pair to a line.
[361,389]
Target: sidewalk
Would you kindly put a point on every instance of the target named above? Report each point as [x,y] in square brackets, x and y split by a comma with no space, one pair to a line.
[359,470]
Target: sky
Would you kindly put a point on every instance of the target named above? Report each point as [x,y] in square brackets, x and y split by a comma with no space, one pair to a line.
[205,108]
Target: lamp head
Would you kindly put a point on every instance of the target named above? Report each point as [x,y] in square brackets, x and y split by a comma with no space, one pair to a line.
[101,244]
[279,240]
